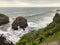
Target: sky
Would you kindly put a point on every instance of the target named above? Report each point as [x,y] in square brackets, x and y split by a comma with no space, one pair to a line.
[29,3]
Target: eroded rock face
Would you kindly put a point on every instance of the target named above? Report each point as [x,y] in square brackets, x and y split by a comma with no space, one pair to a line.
[56,18]
[21,22]
[3,19]
[4,42]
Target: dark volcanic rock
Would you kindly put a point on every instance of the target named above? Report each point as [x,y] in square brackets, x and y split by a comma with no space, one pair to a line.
[21,22]
[3,19]
[4,42]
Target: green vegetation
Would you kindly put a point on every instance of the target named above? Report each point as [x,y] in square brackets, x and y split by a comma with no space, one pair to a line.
[55,37]
[47,34]
[22,42]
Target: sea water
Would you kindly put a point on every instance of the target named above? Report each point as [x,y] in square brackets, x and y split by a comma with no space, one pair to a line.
[37,17]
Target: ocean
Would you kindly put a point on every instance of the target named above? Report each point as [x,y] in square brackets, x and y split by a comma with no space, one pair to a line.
[37,17]
[26,11]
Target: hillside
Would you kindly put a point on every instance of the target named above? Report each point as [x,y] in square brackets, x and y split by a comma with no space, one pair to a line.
[51,33]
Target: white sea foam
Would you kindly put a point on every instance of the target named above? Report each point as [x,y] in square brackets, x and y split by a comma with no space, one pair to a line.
[12,35]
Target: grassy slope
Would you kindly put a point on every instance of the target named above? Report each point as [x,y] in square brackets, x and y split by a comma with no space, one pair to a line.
[48,34]
[55,37]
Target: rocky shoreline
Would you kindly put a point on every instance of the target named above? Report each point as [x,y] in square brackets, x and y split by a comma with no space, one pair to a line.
[19,22]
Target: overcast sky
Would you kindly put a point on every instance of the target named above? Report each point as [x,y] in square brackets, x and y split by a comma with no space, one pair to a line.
[29,3]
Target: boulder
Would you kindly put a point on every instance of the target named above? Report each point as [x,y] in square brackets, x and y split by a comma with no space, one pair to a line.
[3,19]
[21,22]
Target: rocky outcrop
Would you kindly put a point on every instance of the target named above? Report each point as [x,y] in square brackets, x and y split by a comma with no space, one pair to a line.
[3,19]
[57,10]
[56,18]
[21,22]
[3,41]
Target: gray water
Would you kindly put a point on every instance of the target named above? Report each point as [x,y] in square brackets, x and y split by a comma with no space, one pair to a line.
[21,11]
[37,18]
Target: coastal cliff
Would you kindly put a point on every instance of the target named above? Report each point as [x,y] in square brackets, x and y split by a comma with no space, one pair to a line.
[48,34]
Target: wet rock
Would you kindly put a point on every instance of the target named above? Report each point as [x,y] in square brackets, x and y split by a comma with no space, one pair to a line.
[3,19]
[4,42]
[21,22]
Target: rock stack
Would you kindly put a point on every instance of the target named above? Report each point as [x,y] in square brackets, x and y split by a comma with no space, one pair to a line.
[21,22]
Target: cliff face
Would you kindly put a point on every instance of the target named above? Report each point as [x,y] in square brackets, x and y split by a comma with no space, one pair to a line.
[21,22]
[3,19]
[56,18]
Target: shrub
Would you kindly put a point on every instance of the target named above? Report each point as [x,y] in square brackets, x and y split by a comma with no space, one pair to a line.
[22,42]
[35,43]
[48,33]
[41,38]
